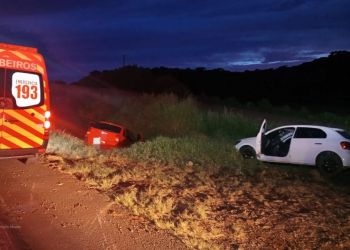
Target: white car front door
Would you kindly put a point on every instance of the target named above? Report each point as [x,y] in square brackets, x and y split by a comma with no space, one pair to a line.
[259,138]
[276,145]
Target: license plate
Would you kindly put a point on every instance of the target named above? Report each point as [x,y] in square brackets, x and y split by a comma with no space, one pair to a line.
[96,140]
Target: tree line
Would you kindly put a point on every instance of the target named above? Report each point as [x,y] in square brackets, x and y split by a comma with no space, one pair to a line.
[324,82]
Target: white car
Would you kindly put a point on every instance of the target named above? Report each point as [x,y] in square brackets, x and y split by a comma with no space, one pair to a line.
[325,147]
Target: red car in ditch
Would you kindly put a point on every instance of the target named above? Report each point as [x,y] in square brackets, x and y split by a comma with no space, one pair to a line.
[108,135]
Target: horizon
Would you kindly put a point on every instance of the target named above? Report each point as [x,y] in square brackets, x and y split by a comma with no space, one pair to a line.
[204,68]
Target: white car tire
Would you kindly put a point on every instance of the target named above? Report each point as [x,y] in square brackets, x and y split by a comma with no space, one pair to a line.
[247,152]
[329,163]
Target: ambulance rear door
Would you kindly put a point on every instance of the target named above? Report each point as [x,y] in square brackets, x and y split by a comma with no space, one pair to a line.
[22,125]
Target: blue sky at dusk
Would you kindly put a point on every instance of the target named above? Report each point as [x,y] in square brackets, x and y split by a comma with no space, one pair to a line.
[80,36]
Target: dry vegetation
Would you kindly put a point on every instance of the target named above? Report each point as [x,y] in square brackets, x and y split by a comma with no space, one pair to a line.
[187,178]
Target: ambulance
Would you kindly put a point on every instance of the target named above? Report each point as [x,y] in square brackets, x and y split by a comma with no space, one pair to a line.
[24,102]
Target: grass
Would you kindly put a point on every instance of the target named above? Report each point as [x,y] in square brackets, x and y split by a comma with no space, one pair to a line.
[70,147]
[202,151]
[168,115]
[207,206]
[180,198]
[188,179]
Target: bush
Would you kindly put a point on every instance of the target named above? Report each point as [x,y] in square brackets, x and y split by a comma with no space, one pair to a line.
[169,115]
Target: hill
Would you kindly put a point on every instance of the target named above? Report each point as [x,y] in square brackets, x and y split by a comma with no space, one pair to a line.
[322,83]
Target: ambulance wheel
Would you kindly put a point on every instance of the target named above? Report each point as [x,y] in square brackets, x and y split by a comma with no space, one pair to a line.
[28,161]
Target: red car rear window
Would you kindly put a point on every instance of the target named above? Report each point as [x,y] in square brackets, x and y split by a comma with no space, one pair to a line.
[107,127]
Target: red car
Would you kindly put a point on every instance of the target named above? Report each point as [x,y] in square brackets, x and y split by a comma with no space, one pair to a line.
[110,135]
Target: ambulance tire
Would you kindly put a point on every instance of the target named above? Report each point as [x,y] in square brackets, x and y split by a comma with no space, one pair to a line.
[29,161]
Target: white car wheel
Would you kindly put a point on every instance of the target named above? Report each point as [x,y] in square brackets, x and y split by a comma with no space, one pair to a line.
[329,163]
[247,152]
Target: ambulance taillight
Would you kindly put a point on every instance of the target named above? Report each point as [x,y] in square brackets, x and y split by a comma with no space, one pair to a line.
[47,123]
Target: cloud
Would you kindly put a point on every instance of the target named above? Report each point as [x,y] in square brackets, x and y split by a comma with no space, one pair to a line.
[34,7]
[80,36]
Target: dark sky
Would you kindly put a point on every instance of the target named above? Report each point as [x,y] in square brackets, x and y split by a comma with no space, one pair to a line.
[80,36]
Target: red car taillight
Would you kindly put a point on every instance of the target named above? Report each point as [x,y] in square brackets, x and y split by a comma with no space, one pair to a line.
[345,145]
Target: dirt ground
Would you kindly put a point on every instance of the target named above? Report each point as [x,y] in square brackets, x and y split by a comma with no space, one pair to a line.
[43,208]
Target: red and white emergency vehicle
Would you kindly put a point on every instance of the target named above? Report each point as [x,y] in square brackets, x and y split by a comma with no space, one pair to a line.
[24,102]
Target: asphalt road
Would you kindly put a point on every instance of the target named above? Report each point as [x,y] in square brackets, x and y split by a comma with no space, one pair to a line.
[43,208]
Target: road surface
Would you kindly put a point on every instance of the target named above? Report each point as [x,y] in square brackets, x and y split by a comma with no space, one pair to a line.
[43,208]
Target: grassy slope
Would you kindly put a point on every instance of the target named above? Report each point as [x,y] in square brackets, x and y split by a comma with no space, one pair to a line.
[187,178]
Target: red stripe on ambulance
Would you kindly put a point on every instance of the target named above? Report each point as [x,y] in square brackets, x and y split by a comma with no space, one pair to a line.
[20,137]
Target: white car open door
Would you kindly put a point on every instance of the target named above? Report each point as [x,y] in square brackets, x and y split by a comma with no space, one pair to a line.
[259,138]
